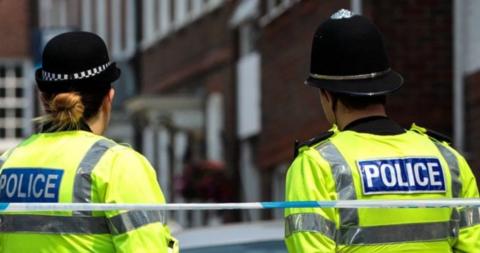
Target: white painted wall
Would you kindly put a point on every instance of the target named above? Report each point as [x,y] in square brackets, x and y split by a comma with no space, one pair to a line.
[163,166]
[250,179]
[248,95]
[148,145]
[214,127]
[278,188]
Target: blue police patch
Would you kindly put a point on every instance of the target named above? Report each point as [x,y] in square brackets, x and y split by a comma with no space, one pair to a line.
[30,185]
[402,175]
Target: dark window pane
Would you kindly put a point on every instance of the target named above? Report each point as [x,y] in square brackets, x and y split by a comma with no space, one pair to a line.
[2,132]
[2,112]
[18,132]
[2,71]
[18,71]
[2,92]
[18,92]
[18,113]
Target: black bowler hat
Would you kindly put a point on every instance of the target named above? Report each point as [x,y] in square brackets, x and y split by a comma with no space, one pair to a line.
[348,56]
[75,61]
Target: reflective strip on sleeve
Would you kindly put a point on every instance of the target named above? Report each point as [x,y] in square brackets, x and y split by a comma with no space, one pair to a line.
[469,216]
[53,224]
[452,162]
[397,233]
[342,174]
[132,220]
[5,156]
[309,222]
[82,186]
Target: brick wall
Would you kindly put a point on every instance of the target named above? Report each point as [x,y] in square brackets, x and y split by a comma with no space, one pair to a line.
[14,29]
[472,119]
[418,35]
[187,54]
[290,109]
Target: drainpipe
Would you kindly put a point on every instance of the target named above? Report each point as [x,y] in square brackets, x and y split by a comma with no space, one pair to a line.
[356,6]
[458,75]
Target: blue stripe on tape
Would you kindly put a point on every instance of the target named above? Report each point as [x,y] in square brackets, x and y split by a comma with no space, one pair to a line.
[3,206]
[298,204]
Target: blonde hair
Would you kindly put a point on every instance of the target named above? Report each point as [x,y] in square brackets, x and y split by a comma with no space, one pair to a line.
[63,111]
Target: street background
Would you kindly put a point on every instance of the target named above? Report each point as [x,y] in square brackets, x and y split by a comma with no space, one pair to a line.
[212,91]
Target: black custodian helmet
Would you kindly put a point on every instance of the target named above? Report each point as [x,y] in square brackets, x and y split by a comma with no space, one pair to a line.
[348,56]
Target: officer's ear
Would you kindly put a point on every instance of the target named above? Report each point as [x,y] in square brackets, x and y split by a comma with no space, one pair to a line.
[108,99]
[111,95]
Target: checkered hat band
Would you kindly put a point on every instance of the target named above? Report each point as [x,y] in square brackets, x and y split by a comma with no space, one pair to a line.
[47,76]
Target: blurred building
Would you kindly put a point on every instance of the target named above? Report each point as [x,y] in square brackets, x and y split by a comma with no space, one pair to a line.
[16,86]
[217,85]
[230,75]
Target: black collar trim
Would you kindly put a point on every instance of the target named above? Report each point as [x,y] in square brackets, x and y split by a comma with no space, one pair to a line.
[379,125]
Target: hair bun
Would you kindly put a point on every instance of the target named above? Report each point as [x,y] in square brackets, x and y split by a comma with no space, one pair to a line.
[66,109]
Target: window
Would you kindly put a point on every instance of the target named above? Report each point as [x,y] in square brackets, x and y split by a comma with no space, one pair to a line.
[165,19]
[197,7]
[247,38]
[274,8]
[53,13]
[181,12]
[162,17]
[113,20]
[15,98]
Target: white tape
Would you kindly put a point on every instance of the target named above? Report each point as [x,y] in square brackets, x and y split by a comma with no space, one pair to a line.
[431,203]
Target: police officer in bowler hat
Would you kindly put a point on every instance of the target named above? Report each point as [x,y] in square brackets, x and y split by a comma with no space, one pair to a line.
[70,161]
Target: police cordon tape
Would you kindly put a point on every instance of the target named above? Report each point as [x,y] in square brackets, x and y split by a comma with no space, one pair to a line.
[426,203]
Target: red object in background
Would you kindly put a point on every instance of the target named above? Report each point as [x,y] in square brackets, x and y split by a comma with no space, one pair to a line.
[207,181]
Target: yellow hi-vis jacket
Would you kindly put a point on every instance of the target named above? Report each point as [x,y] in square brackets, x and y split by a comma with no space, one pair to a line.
[80,167]
[360,166]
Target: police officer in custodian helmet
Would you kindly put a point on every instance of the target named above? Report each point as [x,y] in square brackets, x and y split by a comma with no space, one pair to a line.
[367,156]
[70,161]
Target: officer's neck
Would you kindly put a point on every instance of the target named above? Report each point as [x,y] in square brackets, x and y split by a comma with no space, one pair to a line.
[97,126]
[345,116]
[98,123]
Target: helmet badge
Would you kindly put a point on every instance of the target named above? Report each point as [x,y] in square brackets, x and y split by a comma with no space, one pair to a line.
[343,13]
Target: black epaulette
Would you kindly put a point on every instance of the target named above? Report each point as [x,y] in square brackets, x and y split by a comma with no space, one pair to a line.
[439,136]
[311,142]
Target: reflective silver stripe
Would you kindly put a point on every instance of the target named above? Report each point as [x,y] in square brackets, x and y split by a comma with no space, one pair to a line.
[350,77]
[397,233]
[53,224]
[309,222]
[469,216]
[342,174]
[455,222]
[82,186]
[452,162]
[132,220]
